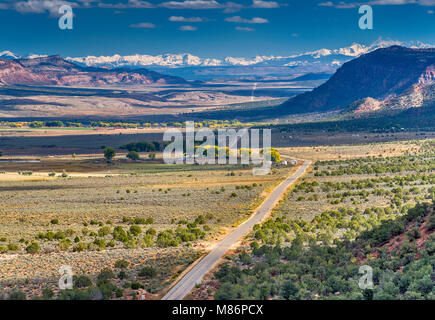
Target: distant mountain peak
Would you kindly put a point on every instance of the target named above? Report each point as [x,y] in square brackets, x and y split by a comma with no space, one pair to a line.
[7,55]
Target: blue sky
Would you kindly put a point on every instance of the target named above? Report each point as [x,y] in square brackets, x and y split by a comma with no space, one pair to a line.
[207,28]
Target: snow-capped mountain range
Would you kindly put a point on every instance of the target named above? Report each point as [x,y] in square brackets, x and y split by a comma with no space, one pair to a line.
[334,57]
[188,66]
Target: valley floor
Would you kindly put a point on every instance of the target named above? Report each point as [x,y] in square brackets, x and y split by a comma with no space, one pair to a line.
[129,229]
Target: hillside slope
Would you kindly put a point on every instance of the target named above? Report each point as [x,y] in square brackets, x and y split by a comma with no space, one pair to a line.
[382,75]
[54,70]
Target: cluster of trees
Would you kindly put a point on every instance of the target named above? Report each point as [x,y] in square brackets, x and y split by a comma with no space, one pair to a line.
[313,271]
[371,165]
[127,125]
[191,232]
[40,124]
[144,146]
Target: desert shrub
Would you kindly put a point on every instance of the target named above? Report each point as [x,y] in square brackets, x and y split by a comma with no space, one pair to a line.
[131,244]
[200,219]
[167,239]
[120,234]
[121,264]
[54,221]
[64,244]
[149,221]
[33,248]
[151,231]
[143,221]
[94,223]
[127,219]
[82,281]
[104,231]
[148,272]
[106,274]
[148,240]
[100,243]
[135,230]
[13,247]
[79,247]
[136,286]
[60,235]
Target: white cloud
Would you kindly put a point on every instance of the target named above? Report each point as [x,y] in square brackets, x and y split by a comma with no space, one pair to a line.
[143,25]
[187,28]
[238,19]
[246,29]
[192,4]
[347,5]
[265,4]
[232,7]
[40,6]
[326,4]
[427,2]
[130,4]
[183,19]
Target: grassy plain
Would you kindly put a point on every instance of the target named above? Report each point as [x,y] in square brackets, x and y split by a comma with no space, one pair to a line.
[73,213]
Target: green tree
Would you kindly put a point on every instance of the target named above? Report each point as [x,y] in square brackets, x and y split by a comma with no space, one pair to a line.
[133,155]
[289,290]
[109,153]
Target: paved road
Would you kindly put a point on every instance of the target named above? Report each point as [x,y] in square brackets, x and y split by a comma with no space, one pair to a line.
[195,275]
